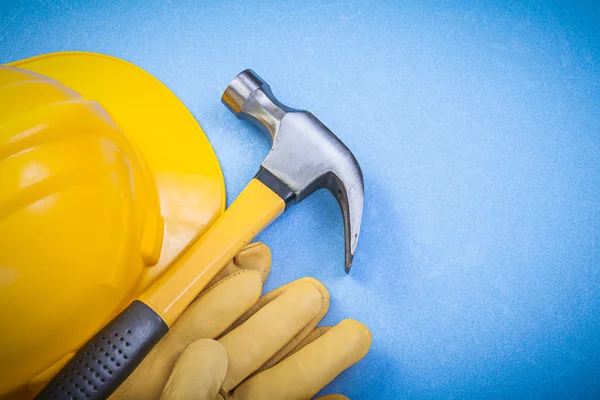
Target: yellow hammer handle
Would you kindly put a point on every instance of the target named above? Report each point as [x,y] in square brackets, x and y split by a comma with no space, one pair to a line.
[255,208]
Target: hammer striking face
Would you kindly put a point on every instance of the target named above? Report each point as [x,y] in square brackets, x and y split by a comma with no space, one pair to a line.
[305,155]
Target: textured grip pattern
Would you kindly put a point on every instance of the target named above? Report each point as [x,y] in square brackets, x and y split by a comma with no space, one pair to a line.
[108,358]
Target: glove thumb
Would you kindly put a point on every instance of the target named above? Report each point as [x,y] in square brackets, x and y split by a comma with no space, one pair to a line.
[198,373]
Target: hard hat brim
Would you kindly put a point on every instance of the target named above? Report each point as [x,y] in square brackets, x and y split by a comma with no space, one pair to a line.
[161,130]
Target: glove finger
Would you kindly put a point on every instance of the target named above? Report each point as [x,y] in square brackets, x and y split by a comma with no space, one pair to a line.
[273,327]
[198,373]
[218,307]
[306,331]
[307,371]
[255,256]
[294,346]
[207,317]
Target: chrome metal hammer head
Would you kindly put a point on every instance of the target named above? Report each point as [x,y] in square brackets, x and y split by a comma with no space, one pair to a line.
[305,155]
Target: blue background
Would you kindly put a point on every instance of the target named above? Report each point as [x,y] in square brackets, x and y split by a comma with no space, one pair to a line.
[477,125]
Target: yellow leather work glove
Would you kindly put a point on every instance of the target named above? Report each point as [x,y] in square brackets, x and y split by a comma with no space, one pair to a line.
[231,343]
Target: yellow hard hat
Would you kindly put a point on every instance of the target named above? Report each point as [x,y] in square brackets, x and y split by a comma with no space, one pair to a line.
[105,178]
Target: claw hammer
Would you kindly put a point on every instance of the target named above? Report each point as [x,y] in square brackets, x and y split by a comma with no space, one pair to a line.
[305,156]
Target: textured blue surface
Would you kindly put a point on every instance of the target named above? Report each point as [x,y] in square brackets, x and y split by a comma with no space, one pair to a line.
[477,125]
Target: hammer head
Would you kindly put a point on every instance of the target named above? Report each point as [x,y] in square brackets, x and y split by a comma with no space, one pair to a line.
[305,155]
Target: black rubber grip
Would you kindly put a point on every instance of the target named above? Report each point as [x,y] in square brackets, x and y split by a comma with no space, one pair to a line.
[108,358]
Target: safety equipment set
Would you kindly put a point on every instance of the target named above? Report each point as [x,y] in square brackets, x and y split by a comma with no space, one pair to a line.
[87,137]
